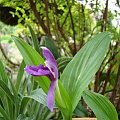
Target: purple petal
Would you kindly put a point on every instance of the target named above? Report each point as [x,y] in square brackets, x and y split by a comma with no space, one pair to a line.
[50,96]
[38,70]
[48,55]
[50,62]
[50,70]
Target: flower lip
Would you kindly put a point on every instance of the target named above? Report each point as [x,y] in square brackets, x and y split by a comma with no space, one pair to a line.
[39,71]
[50,70]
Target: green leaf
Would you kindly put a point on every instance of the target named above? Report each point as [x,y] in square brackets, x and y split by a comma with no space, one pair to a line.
[24,117]
[34,38]
[37,95]
[49,43]
[12,99]
[3,74]
[43,113]
[62,63]
[2,111]
[82,68]
[63,101]
[21,117]
[80,111]
[14,91]
[6,90]
[2,118]
[32,57]
[101,106]
[6,103]
[20,75]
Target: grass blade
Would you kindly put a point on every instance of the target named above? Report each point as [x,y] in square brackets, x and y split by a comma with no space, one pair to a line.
[5,116]
[3,74]
[19,76]
[6,90]
[34,38]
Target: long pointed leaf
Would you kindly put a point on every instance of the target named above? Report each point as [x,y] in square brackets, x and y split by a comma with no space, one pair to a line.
[38,95]
[81,69]
[6,90]
[2,111]
[32,57]
[19,76]
[34,38]
[49,43]
[3,74]
[101,106]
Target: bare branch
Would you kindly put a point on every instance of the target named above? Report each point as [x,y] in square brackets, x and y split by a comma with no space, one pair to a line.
[37,15]
[47,16]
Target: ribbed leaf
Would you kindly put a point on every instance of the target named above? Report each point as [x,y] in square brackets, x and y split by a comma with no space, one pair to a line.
[101,106]
[62,63]
[3,74]
[6,90]
[80,111]
[81,69]
[32,57]
[4,114]
[49,43]
[34,38]
[19,76]
[38,95]
[63,101]
[22,117]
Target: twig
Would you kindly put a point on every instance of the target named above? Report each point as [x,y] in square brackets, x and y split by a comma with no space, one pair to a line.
[118,104]
[83,28]
[111,57]
[117,86]
[37,15]
[47,16]
[73,29]
[107,78]
[60,29]
[65,19]
[97,76]
[105,15]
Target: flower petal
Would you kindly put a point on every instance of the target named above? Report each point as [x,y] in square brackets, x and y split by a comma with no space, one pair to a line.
[50,96]
[38,70]
[50,70]
[50,62]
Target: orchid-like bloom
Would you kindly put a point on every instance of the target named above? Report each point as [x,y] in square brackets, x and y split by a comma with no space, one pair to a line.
[50,70]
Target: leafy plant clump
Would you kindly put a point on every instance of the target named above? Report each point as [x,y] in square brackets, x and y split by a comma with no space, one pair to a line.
[71,87]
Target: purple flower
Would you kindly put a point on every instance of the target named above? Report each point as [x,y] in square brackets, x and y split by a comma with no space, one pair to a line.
[50,70]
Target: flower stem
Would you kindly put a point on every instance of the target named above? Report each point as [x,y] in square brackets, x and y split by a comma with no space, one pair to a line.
[66,113]
[66,117]
[59,95]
